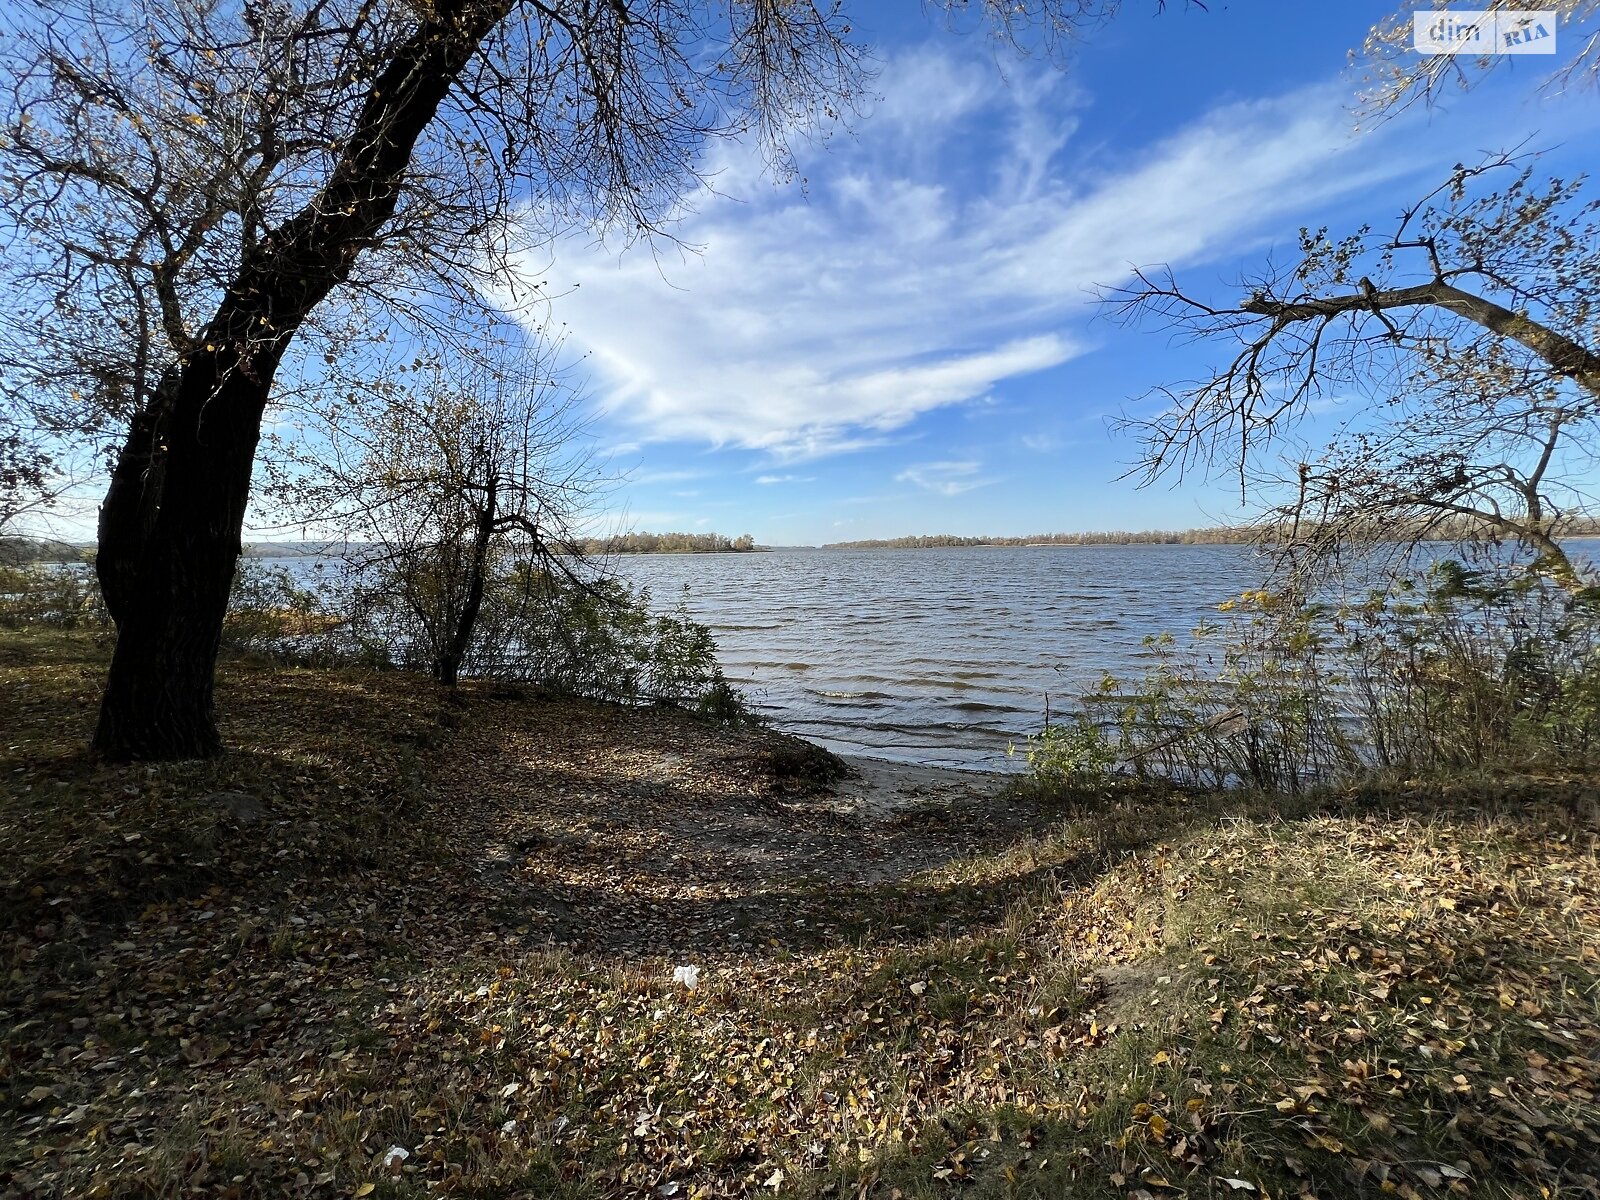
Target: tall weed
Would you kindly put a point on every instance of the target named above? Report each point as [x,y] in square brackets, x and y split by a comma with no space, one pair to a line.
[1454,668]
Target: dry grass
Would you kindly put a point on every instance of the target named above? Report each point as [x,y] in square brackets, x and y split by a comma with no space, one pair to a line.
[451,930]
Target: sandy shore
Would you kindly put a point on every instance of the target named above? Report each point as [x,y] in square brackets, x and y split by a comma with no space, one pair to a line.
[881,789]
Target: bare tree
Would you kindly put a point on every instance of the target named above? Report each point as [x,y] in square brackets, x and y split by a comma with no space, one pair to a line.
[1471,325]
[215,170]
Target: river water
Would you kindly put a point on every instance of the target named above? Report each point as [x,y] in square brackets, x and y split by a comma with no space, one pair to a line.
[939,656]
[942,656]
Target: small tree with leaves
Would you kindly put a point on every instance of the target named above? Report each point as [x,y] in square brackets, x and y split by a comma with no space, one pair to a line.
[442,474]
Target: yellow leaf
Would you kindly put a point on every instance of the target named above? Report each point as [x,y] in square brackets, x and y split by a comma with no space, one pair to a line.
[366,1189]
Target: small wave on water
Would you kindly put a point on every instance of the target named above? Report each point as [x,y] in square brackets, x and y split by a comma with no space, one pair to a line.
[982,706]
[904,654]
[936,682]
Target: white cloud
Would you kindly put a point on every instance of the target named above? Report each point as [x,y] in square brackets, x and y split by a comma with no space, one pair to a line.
[946,248]
[944,478]
[771,479]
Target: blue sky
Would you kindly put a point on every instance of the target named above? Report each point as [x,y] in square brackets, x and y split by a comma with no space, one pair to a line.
[908,342]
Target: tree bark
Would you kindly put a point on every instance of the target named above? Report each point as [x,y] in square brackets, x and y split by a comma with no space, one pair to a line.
[477,568]
[158,698]
[173,513]
[132,500]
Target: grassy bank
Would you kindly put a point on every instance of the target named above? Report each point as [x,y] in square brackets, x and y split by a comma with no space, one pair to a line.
[391,920]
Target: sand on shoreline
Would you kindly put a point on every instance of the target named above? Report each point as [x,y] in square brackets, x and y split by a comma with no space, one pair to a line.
[883,789]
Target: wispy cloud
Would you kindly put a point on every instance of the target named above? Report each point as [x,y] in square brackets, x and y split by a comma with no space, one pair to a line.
[771,479]
[929,261]
[678,476]
[1043,443]
[944,478]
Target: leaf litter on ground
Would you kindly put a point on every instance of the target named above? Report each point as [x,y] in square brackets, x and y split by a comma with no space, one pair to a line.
[402,943]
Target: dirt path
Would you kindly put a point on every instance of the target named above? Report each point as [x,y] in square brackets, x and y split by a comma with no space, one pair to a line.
[629,834]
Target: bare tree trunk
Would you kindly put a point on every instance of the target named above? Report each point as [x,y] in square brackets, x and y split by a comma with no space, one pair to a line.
[450,661]
[172,517]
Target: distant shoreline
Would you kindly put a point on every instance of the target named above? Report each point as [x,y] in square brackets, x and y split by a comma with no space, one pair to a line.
[1217,536]
[1190,537]
[660,553]
[23,549]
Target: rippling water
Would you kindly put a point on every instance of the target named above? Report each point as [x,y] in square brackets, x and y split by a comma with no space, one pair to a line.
[938,656]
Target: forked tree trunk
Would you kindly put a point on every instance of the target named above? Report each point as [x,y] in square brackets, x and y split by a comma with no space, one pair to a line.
[158,698]
[172,516]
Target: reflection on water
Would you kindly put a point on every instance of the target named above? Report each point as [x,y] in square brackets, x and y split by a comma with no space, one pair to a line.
[940,656]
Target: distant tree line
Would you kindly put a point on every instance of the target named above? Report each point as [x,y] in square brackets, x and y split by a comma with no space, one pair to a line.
[16,550]
[667,543]
[1147,537]
[1463,528]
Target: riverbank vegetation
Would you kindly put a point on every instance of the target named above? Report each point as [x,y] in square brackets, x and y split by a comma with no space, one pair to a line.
[412,941]
[1469,325]
[593,637]
[1452,668]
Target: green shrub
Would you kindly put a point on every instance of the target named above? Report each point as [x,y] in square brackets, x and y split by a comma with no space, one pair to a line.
[603,639]
[66,596]
[1455,669]
[597,638]
[1074,755]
